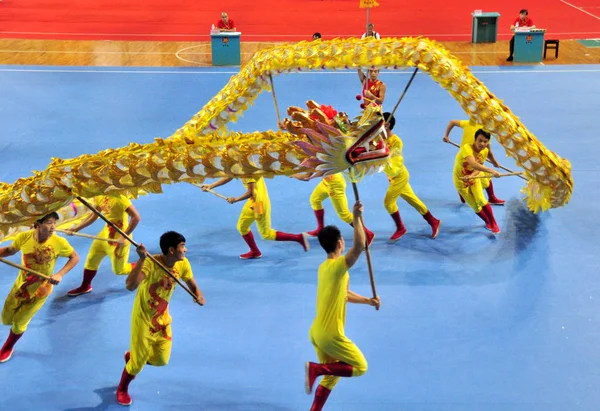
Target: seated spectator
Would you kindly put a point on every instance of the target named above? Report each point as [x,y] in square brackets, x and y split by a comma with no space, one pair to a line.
[317,36]
[225,24]
[522,21]
[370,32]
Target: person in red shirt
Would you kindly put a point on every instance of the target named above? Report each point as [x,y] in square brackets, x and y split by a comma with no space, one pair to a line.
[522,21]
[225,24]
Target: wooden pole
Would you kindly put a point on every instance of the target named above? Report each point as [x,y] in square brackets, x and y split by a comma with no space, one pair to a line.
[403,93]
[275,100]
[27,270]
[93,237]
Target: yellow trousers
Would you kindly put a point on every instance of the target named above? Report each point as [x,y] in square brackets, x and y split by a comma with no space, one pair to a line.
[473,192]
[18,312]
[119,256]
[261,214]
[400,187]
[148,348]
[333,187]
[338,349]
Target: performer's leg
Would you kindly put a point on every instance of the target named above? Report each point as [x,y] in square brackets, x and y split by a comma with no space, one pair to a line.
[337,194]
[391,196]
[352,362]
[489,188]
[119,257]
[243,225]
[487,210]
[161,350]
[327,383]
[98,250]
[22,313]
[139,354]
[263,222]
[317,197]
[411,198]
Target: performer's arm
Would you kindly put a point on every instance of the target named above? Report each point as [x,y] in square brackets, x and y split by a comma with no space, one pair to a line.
[220,182]
[136,276]
[479,167]
[89,220]
[379,100]
[71,263]
[359,299]
[361,76]
[248,194]
[359,236]
[449,127]
[8,251]
[134,219]
[191,283]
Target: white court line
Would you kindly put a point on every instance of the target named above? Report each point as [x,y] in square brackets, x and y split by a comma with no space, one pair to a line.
[353,73]
[580,9]
[302,36]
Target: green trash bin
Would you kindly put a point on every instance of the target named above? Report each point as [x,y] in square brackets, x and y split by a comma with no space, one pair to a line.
[485,27]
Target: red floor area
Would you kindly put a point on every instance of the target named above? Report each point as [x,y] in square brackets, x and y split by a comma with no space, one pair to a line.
[289,20]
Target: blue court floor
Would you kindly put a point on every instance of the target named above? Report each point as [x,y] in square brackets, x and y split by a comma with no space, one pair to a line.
[469,322]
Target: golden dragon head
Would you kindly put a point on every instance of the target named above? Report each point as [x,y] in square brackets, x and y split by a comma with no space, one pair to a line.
[334,144]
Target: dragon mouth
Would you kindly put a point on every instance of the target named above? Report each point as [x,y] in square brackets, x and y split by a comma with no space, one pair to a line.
[370,146]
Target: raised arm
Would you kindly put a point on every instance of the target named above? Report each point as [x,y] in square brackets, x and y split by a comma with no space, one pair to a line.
[220,182]
[359,236]
[449,127]
[8,251]
[361,76]
[88,221]
[134,219]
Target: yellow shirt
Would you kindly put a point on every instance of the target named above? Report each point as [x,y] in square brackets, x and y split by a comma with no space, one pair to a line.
[469,130]
[151,303]
[395,165]
[114,209]
[260,193]
[461,167]
[332,294]
[40,257]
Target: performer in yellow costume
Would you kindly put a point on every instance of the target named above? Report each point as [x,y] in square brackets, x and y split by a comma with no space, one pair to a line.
[400,187]
[469,162]
[257,208]
[40,249]
[117,209]
[334,187]
[150,319]
[469,129]
[338,356]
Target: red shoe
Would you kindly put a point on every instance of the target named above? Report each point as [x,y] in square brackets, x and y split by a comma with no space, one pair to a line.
[462,200]
[251,255]
[123,397]
[496,201]
[309,377]
[127,357]
[398,234]
[435,227]
[79,291]
[5,355]
[315,232]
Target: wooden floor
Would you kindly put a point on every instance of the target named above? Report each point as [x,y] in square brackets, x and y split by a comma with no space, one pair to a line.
[189,54]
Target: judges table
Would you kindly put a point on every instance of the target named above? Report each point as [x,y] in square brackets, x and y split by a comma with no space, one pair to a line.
[225,48]
[529,45]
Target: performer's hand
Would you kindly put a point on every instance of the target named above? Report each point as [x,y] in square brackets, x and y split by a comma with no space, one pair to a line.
[205,187]
[200,299]
[141,250]
[121,241]
[495,164]
[495,173]
[231,200]
[55,279]
[446,139]
[68,232]
[358,209]
[375,302]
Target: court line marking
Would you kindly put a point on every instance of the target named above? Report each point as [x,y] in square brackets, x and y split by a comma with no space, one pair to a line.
[580,9]
[203,72]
